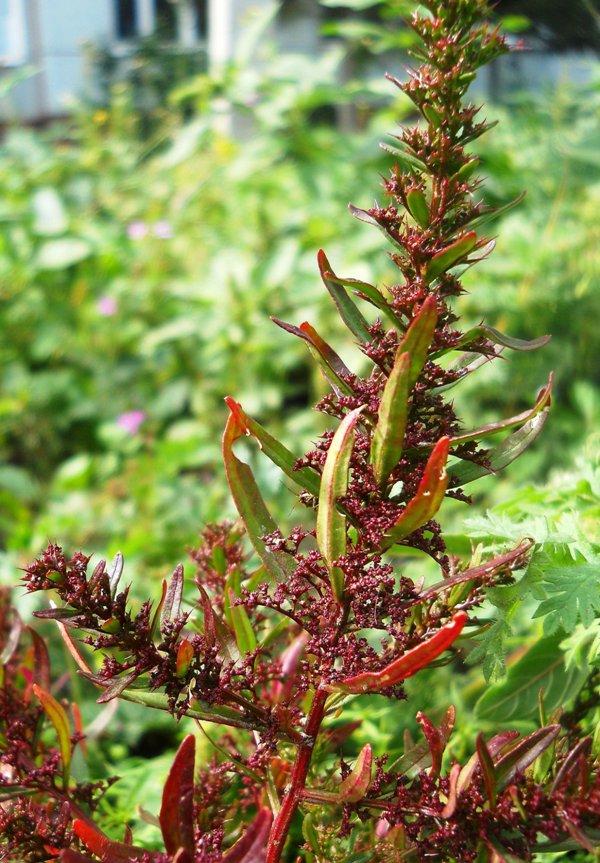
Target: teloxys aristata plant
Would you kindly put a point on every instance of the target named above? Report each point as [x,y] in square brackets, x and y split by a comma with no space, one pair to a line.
[274,651]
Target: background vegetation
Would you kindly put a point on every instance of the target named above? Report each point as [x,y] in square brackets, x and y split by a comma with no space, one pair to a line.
[137,272]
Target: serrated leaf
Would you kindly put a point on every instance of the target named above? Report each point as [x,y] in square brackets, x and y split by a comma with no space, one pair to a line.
[388,437]
[177,808]
[251,506]
[572,586]
[331,523]
[305,477]
[542,667]
[349,313]
[58,717]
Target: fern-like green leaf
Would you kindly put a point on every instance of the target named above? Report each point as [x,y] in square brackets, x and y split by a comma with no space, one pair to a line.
[571,583]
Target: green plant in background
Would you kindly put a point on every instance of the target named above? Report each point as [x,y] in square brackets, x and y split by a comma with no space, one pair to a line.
[278,642]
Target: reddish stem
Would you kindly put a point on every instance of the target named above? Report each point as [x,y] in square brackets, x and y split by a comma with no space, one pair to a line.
[293,795]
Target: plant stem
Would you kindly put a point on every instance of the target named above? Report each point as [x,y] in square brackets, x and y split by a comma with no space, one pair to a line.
[289,805]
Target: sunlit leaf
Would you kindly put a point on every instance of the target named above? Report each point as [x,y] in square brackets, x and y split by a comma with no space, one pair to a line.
[59,719]
[388,437]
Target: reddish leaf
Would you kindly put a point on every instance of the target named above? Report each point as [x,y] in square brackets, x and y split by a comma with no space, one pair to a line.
[12,638]
[103,847]
[427,500]
[349,313]
[524,753]
[332,365]
[41,660]
[185,654]
[156,617]
[487,768]
[290,658]
[252,846]
[435,741]
[70,856]
[409,664]
[116,687]
[177,809]
[450,807]
[357,783]
[571,763]
[494,746]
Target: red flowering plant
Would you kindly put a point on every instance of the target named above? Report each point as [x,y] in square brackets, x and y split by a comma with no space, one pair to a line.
[279,639]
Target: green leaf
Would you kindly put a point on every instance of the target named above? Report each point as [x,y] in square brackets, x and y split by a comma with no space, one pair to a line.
[572,584]
[451,255]
[373,296]
[349,313]
[417,207]
[244,634]
[332,365]
[62,253]
[58,717]
[251,506]
[331,523]
[542,667]
[305,477]
[498,338]
[418,337]
[388,438]
[406,158]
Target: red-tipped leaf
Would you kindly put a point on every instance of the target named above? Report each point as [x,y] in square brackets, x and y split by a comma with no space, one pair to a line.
[177,809]
[252,846]
[357,783]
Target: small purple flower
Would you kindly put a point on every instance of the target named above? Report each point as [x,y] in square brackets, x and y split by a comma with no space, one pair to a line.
[131,421]
[163,230]
[107,306]
[137,230]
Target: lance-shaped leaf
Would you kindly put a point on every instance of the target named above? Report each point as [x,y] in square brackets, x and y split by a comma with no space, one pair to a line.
[495,212]
[251,506]
[408,664]
[282,689]
[331,363]
[58,717]
[451,255]
[436,740]
[305,477]
[358,781]
[497,338]
[156,617]
[572,762]
[252,846]
[349,313]
[418,336]
[177,808]
[183,660]
[244,634]
[172,604]
[106,849]
[525,753]
[417,756]
[41,660]
[428,499]
[364,216]
[405,157]
[494,746]
[488,770]
[417,207]
[115,572]
[116,687]
[452,793]
[388,438]
[501,455]
[370,293]
[331,523]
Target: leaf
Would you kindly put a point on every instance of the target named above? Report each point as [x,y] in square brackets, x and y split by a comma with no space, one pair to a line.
[435,740]
[408,664]
[488,770]
[349,313]
[417,207]
[418,337]
[451,255]
[364,216]
[115,688]
[498,338]
[571,582]
[571,764]
[524,753]
[418,756]
[332,365]
[495,212]
[331,523]
[62,253]
[501,455]
[172,605]
[183,660]
[305,477]
[252,846]
[388,438]
[244,634]
[251,506]
[542,667]
[373,296]
[406,158]
[357,783]
[177,808]
[115,572]
[493,746]
[428,499]
[103,847]
[58,717]
[70,856]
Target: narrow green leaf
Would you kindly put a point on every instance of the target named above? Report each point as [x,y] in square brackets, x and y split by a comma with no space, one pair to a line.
[244,634]
[364,216]
[305,477]
[417,207]
[406,159]
[388,438]
[251,506]
[331,523]
[498,338]
[494,212]
[418,337]
[374,296]
[501,455]
[451,255]
[332,365]
[349,313]
[427,500]
[58,717]
[432,115]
